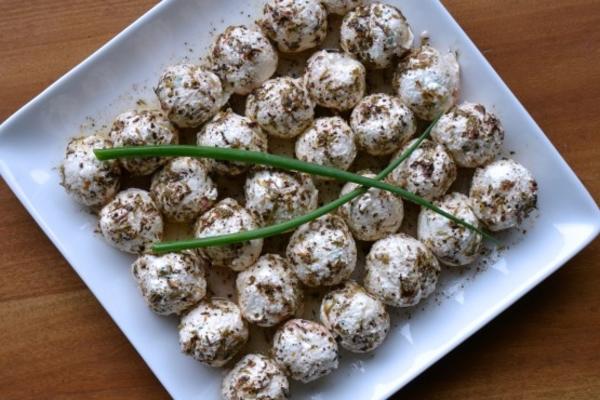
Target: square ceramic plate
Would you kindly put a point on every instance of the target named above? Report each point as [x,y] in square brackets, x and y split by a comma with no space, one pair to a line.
[33,140]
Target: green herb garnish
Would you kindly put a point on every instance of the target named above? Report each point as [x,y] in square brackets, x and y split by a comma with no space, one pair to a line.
[286,163]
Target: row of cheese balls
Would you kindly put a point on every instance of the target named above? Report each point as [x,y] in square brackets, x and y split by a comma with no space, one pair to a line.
[269,293]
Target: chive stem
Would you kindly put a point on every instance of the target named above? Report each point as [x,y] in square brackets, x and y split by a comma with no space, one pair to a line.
[253,157]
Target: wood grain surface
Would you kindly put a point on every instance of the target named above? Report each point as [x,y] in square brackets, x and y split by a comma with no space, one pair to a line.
[56,341]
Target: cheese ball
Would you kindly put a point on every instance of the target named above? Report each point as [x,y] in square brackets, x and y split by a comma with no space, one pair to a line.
[226,217]
[131,222]
[322,252]
[190,94]
[86,179]
[341,7]
[255,377]
[428,172]
[143,128]
[358,320]
[400,271]
[335,80]
[428,82]
[382,124]
[471,134]
[281,107]
[376,34]
[451,243]
[306,350]
[170,283]
[503,194]
[183,190]
[243,58]
[268,292]
[230,130]
[373,215]
[294,25]
[274,196]
[329,142]
[213,332]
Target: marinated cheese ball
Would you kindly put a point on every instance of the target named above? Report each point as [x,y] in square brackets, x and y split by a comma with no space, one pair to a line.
[400,271]
[428,82]
[183,190]
[451,243]
[190,94]
[230,130]
[306,350]
[335,79]
[226,217]
[329,142]
[322,252]
[170,283]
[213,332]
[131,222]
[428,172]
[295,25]
[373,215]
[357,319]
[143,128]
[243,58]
[86,179]
[471,134]
[281,107]
[274,196]
[382,124]
[341,7]
[376,34]
[255,377]
[502,194]
[268,291]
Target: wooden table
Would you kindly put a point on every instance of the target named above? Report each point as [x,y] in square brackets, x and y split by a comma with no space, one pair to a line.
[56,341]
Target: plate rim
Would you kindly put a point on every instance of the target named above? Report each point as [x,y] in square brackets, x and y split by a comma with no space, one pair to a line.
[461,336]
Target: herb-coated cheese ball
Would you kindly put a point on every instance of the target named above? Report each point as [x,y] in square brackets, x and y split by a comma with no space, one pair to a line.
[227,216]
[274,196]
[322,252]
[428,172]
[295,25]
[306,350]
[376,34]
[143,128]
[428,81]
[341,7]
[281,107]
[86,179]
[183,190]
[502,194]
[255,377]
[451,243]
[131,222]
[382,124]
[335,79]
[268,291]
[230,130]
[357,319]
[471,134]
[329,142]
[170,283]
[243,58]
[373,215]
[190,94]
[213,332]
[401,271]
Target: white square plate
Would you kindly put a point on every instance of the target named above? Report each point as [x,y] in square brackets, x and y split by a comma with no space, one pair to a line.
[33,140]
